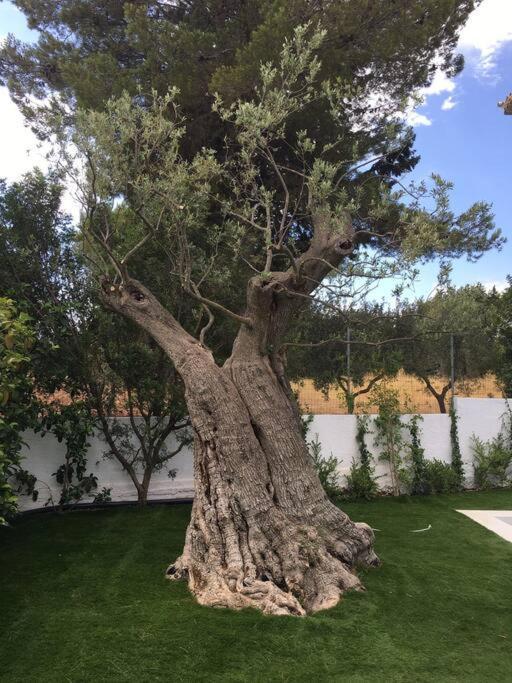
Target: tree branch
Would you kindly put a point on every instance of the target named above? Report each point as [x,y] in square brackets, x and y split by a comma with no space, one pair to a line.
[243,320]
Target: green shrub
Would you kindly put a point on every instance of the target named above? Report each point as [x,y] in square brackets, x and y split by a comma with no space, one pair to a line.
[326,468]
[491,460]
[419,484]
[361,482]
[440,477]
[17,405]
[457,465]
[104,496]
[388,436]
[71,424]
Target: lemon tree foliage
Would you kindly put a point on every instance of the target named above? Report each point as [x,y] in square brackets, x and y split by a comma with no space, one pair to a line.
[82,353]
[16,409]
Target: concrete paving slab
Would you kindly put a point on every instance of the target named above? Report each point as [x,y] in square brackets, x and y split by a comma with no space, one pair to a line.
[498,521]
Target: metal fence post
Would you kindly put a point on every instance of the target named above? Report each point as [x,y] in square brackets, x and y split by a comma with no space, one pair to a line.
[349,381]
[452,365]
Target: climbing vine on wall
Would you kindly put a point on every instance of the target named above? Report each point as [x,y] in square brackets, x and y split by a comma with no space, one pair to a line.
[457,464]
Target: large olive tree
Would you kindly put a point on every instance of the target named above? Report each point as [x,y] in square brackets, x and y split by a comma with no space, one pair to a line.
[262,531]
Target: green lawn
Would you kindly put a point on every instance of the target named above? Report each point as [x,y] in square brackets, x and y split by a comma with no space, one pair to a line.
[83,598]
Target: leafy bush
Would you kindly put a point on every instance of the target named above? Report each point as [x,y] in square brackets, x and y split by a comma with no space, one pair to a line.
[72,424]
[419,484]
[491,461]
[388,426]
[440,477]
[457,465]
[361,482]
[16,398]
[326,468]
[104,496]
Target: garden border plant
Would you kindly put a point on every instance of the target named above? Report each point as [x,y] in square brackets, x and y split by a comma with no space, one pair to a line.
[492,460]
[361,481]
[457,464]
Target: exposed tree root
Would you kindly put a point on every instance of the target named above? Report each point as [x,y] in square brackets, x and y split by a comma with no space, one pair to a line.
[272,562]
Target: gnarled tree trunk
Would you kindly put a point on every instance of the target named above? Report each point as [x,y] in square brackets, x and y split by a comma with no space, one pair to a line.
[262,532]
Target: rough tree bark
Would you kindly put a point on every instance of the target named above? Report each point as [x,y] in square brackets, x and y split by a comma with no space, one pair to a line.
[262,532]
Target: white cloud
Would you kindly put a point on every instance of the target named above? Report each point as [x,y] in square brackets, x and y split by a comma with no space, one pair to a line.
[440,84]
[500,285]
[448,103]
[488,28]
[416,119]
[20,147]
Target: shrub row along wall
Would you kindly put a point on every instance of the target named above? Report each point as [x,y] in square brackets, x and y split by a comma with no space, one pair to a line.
[336,433]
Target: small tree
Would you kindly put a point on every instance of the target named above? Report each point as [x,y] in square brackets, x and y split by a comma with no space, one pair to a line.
[350,350]
[145,387]
[105,364]
[463,314]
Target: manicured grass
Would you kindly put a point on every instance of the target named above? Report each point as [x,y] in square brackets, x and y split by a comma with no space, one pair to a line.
[83,598]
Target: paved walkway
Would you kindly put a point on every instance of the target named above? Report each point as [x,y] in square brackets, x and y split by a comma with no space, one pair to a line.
[499,521]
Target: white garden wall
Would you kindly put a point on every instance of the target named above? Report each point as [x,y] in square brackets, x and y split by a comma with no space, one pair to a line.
[43,455]
[336,433]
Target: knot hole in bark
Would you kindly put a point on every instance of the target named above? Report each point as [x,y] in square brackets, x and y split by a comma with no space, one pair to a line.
[135,294]
[345,246]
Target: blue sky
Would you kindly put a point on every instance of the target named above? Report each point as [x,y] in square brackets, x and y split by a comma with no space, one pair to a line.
[461,133]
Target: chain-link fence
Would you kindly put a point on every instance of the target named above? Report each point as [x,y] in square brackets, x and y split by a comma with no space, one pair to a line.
[414,395]
[418,390]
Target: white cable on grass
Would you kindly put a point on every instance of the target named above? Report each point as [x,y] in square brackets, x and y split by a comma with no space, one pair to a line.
[417,531]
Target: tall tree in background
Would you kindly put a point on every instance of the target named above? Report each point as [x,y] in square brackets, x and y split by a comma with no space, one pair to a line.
[466,314]
[349,351]
[289,199]
[89,51]
[502,323]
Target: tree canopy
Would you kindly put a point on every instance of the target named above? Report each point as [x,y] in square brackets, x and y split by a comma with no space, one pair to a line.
[453,326]
[351,352]
[502,324]
[248,205]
